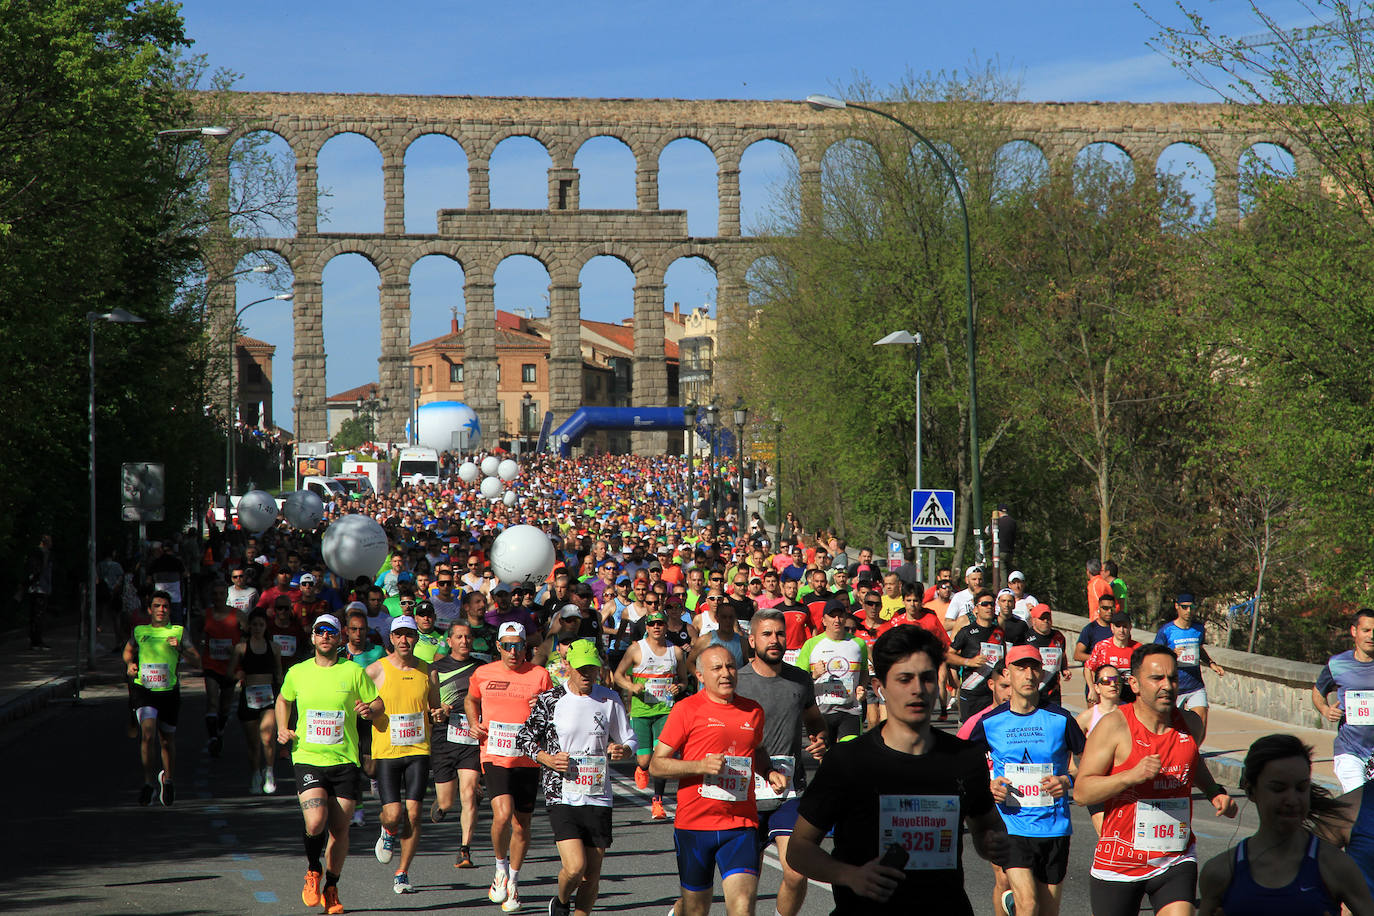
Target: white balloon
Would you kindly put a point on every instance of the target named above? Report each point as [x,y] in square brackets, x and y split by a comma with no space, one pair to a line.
[467,472]
[490,464]
[508,470]
[354,546]
[258,510]
[303,509]
[492,487]
[522,555]
[510,498]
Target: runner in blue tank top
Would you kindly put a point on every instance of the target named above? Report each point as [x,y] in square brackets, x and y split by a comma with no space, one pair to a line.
[1351,675]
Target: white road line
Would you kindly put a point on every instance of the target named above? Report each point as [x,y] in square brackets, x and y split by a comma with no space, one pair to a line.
[770,857]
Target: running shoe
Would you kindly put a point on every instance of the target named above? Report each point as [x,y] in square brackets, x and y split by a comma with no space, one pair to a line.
[166,793]
[559,909]
[464,858]
[1009,903]
[310,894]
[269,782]
[656,811]
[437,814]
[357,817]
[331,900]
[641,778]
[497,892]
[512,902]
[386,847]
[401,884]
[255,784]
[145,795]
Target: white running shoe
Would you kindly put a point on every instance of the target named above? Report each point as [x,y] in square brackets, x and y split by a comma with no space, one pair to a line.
[497,892]
[269,782]
[386,847]
[512,901]
[255,784]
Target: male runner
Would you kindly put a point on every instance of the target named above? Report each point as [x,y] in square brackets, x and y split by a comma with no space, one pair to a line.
[1052,645]
[328,695]
[497,704]
[1188,640]
[838,664]
[151,656]
[1141,762]
[652,673]
[222,629]
[976,648]
[787,695]
[429,643]
[719,736]
[1030,745]
[1351,675]
[1096,630]
[1115,651]
[453,752]
[900,794]
[400,746]
[573,731]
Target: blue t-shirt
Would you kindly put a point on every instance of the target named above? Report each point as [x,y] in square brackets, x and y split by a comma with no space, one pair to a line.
[1187,645]
[1345,673]
[1093,634]
[1048,735]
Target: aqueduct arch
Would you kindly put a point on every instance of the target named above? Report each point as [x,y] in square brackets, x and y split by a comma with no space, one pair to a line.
[564,236]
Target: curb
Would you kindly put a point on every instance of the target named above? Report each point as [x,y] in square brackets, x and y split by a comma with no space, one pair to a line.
[1227,770]
[36,698]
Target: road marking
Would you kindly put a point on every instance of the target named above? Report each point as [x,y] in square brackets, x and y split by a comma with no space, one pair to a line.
[770,856]
[251,874]
[266,897]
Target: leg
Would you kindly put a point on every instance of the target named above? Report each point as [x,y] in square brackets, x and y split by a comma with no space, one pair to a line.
[519,838]
[1050,895]
[444,793]
[467,794]
[252,741]
[340,816]
[1023,888]
[698,903]
[167,734]
[591,881]
[1000,885]
[267,731]
[147,746]
[410,842]
[792,893]
[213,715]
[741,892]
[1202,716]
[501,811]
[572,870]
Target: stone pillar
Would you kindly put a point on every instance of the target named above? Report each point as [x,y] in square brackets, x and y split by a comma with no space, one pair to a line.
[565,349]
[1226,194]
[394,196]
[307,194]
[727,193]
[646,188]
[809,177]
[479,352]
[479,185]
[732,303]
[563,189]
[393,366]
[307,357]
[650,367]
[221,296]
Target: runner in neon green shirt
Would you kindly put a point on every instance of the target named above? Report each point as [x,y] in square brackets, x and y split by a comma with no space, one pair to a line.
[150,657]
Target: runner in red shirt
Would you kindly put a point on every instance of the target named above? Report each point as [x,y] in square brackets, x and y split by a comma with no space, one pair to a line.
[917,614]
[712,745]
[221,633]
[1117,650]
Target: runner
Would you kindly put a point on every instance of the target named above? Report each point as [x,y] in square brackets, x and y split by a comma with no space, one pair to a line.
[1285,868]
[429,642]
[900,794]
[719,737]
[497,704]
[976,648]
[573,731]
[732,641]
[328,695]
[151,657]
[1115,651]
[838,664]
[653,673]
[1096,630]
[286,631]
[1188,640]
[256,664]
[1351,675]
[787,695]
[400,745]
[1109,681]
[1030,745]
[1142,763]
[453,752]
[220,632]
[1052,645]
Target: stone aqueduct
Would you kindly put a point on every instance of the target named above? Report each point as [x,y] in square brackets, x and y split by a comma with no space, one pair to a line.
[564,237]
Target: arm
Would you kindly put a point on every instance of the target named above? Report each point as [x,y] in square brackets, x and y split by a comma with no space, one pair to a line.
[472,708]
[236,662]
[1093,785]
[870,880]
[815,730]
[666,766]
[284,734]
[1214,881]
[1331,711]
[622,672]
[188,651]
[1081,652]
[1340,873]
[989,834]
[131,657]
[276,659]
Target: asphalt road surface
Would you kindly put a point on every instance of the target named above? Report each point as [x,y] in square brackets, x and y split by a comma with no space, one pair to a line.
[80,843]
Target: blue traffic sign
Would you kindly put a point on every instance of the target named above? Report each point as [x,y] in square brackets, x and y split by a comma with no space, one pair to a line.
[932,511]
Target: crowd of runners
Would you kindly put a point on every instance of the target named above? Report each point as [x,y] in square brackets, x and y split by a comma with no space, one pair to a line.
[795,693]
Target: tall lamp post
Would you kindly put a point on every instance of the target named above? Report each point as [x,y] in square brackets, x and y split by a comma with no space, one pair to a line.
[829,102]
[230,475]
[777,469]
[741,417]
[906,338]
[712,411]
[116,316]
[689,413]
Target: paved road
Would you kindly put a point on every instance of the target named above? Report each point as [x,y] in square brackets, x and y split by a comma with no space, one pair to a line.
[85,846]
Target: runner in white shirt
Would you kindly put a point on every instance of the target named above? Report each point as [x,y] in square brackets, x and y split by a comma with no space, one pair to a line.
[961,605]
[242,596]
[1025,602]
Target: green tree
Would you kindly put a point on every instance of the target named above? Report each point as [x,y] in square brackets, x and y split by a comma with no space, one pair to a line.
[353,432]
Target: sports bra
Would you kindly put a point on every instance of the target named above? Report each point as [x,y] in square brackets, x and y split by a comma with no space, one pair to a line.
[1305,895]
[257,662]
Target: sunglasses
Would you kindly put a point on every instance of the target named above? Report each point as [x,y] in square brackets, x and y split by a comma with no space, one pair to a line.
[985,604]
[712,598]
[442,582]
[326,631]
[429,613]
[407,604]
[280,607]
[1107,681]
[871,603]
[656,623]
[511,646]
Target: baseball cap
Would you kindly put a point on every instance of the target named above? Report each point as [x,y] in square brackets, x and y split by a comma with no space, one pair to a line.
[308,579]
[356,606]
[623,580]
[405,623]
[569,610]
[1024,654]
[1040,610]
[1121,619]
[835,606]
[792,573]
[1017,576]
[326,620]
[582,653]
[971,570]
[655,615]
[1183,598]
[501,589]
[1006,591]
[511,628]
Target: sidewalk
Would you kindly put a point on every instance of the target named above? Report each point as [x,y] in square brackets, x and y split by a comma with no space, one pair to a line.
[30,680]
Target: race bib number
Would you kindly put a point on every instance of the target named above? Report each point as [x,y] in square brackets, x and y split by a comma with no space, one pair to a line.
[991,652]
[926,826]
[732,783]
[658,689]
[1052,657]
[407,728]
[1188,653]
[589,775]
[1162,824]
[832,693]
[324,726]
[1025,784]
[763,792]
[219,649]
[790,655]
[258,696]
[501,739]
[459,734]
[1359,707]
[971,682]
[286,643]
[155,675]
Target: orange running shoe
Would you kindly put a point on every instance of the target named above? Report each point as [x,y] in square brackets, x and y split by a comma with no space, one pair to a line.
[656,811]
[310,894]
[641,778]
[331,900]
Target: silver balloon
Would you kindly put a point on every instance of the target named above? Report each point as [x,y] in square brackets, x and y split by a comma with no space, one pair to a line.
[508,470]
[467,472]
[492,487]
[522,555]
[510,499]
[257,511]
[354,546]
[490,464]
[303,509]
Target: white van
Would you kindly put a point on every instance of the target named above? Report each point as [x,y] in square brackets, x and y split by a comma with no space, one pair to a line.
[326,488]
[418,465]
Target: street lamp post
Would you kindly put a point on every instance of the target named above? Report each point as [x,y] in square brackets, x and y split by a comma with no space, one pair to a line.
[689,413]
[741,417]
[230,475]
[712,411]
[909,339]
[777,469]
[829,102]
[526,424]
[117,316]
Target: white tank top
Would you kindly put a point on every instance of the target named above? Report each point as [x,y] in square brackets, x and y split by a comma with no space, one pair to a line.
[650,663]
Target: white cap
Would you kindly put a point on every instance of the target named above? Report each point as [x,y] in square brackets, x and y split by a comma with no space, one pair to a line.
[1017,576]
[308,577]
[356,606]
[568,611]
[971,570]
[405,622]
[509,628]
[328,620]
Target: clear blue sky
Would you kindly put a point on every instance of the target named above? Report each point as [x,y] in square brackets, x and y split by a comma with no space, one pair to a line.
[1061,51]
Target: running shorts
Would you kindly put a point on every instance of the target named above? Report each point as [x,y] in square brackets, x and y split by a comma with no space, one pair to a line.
[402,775]
[165,705]
[445,760]
[701,852]
[1123,898]
[342,780]
[520,783]
[647,729]
[589,823]
[1047,857]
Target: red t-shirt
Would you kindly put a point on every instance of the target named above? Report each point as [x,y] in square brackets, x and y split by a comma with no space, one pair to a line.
[798,626]
[1109,653]
[220,639]
[927,621]
[504,694]
[698,726]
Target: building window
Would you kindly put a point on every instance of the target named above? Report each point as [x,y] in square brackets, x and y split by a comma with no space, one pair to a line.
[527,373]
[498,373]
[455,373]
[529,417]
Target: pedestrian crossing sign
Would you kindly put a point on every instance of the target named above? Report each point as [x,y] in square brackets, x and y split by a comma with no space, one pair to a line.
[932,511]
